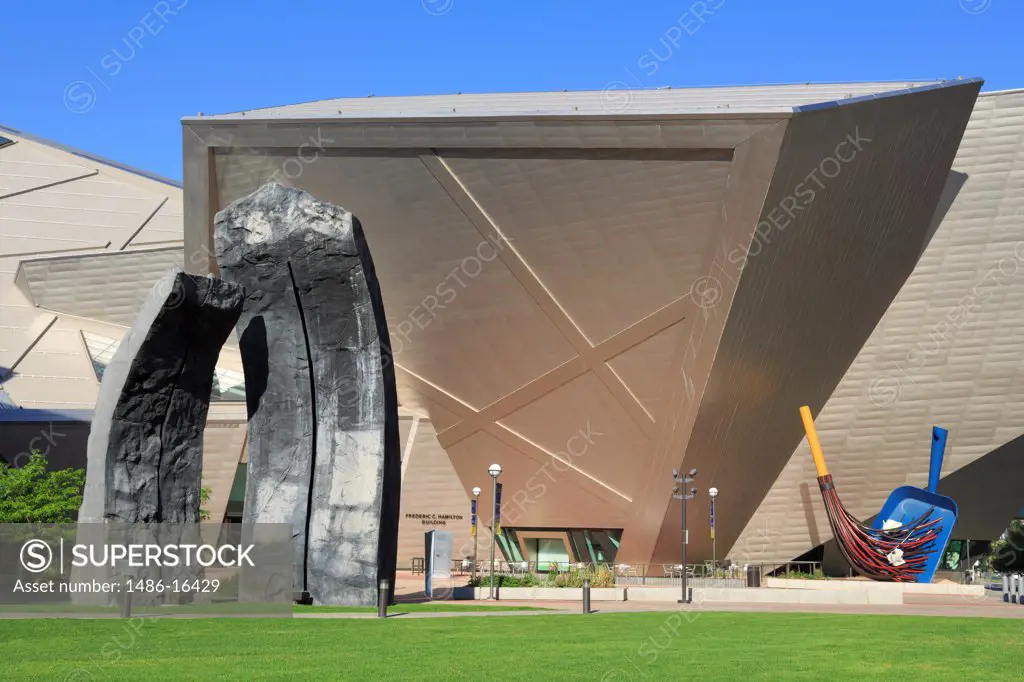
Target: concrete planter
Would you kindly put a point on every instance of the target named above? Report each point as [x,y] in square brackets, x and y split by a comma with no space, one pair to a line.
[662,594]
[776,591]
[768,595]
[943,588]
[465,593]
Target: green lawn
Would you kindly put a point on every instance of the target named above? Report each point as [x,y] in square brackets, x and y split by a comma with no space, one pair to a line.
[647,646]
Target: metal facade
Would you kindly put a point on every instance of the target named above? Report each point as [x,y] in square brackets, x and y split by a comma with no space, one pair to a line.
[562,284]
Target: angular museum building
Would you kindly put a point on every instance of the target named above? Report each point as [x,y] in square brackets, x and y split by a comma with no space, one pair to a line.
[595,288]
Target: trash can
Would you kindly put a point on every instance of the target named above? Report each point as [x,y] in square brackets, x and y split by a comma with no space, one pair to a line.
[753,576]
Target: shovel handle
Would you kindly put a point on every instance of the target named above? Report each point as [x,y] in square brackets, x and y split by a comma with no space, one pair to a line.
[938,451]
[812,440]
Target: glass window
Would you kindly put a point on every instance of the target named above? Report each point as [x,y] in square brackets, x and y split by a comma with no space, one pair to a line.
[101,351]
[509,546]
[578,543]
[513,542]
[5,141]
[584,545]
[542,552]
[602,545]
[236,500]
[228,385]
[951,557]
[551,551]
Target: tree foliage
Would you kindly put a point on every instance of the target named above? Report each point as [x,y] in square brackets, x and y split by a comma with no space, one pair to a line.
[204,497]
[1008,552]
[31,494]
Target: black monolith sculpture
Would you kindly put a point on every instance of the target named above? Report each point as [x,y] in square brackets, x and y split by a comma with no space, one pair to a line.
[145,449]
[324,452]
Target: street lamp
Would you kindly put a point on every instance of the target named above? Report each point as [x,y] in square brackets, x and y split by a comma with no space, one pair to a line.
[679,492]
[713,492]
[476,508]
[494,470]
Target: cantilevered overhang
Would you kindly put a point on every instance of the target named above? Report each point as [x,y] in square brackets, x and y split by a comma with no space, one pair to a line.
[947,352]
[567,292]
[812,289]
[106,286]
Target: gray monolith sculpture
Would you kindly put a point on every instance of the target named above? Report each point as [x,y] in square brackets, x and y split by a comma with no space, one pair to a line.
[144,457]
[145,448]
[324,452]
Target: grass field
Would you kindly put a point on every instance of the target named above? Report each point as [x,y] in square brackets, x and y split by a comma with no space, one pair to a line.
[638,646]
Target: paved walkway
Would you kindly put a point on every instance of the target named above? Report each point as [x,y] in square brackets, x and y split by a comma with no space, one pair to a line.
[948,606]
[990,606]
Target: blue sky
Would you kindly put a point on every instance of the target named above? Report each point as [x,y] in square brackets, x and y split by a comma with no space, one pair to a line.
[114,77]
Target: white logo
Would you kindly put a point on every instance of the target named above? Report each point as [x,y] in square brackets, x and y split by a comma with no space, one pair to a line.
[36,556]
[437,7]
[975,6]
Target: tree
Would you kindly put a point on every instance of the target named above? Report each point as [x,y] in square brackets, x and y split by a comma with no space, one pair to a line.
[1008,551]
[204,497]
[31,494]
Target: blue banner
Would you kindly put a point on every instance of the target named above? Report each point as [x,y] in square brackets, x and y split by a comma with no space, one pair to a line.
[497,511]
[472,517]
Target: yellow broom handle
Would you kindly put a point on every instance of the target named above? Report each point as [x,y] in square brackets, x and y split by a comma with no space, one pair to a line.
[812,440]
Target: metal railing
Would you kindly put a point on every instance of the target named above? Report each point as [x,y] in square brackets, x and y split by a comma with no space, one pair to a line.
[640,574]
[793,569]
[652,575]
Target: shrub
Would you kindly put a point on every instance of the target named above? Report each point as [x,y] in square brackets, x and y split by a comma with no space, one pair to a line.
[526,580]
[599,576]
[1007,553]
[804,575]
[33,494]
[228,588]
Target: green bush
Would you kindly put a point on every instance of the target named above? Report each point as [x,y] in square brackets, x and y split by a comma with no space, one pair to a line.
[33,494]
[525,580]
[804,575]
[599,576]
[228,588]
[1007,553]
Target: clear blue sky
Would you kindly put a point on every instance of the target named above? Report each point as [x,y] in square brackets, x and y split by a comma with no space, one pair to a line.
[137,74]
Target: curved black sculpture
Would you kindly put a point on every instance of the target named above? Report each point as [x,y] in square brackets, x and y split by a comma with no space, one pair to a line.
[324,452]
[145,449]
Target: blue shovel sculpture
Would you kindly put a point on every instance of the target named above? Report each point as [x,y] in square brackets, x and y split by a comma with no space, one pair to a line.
[908,504]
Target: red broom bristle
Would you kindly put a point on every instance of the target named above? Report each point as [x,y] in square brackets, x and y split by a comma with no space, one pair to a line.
[866,548]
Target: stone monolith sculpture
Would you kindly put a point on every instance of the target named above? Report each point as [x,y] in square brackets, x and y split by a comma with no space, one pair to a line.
[145,448]
[324,452]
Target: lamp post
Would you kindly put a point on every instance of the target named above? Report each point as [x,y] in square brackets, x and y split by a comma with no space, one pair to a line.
[476,507]
[494,470]
[679,492]
[713,492]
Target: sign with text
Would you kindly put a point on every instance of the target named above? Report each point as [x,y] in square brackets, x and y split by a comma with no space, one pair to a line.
[197,569]
[434,519]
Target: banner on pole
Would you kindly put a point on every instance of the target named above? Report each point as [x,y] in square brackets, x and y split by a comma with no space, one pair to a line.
[497,510]
[472,517]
